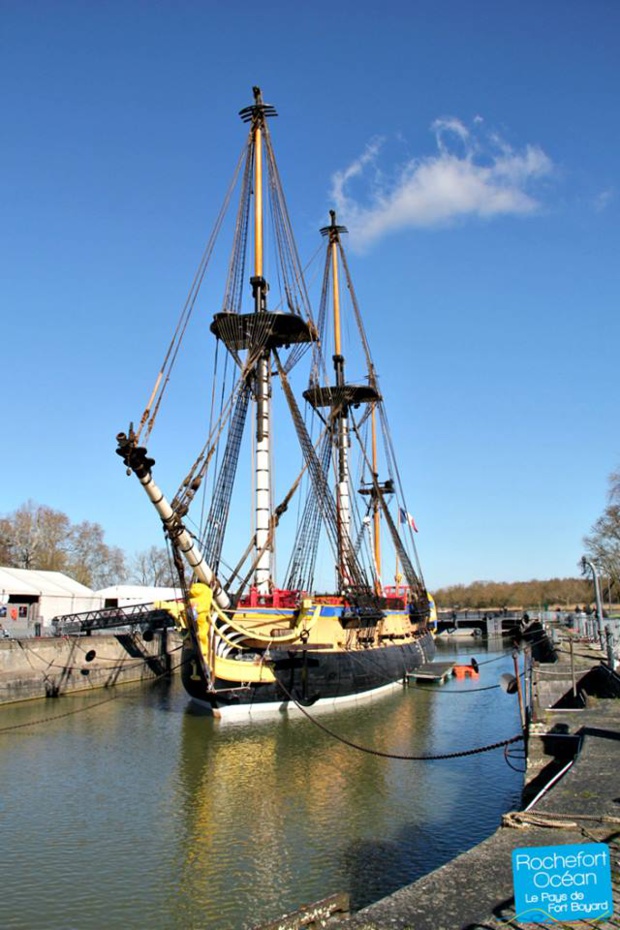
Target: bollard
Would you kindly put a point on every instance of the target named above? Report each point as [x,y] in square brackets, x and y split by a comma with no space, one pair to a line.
[609,636]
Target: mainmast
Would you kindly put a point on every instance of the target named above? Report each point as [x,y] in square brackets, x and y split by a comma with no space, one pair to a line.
[260,333]
[262,386]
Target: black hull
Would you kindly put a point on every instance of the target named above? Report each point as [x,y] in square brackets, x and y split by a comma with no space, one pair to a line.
[310,678]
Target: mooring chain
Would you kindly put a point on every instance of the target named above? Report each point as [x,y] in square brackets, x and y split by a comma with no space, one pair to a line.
[391,755]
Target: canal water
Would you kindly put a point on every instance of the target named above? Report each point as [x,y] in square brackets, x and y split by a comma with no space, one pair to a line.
[128,809]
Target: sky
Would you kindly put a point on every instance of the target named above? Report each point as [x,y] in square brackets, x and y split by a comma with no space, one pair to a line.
[470,148]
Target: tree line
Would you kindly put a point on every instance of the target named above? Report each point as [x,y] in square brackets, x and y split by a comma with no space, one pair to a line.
[38,537]
[601,547]
[556,592]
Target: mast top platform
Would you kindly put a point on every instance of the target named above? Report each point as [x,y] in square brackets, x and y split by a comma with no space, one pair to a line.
[333,231]
[269,330]
[341,396]
[259,110]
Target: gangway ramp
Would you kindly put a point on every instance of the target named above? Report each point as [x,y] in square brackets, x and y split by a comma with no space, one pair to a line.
[134,616]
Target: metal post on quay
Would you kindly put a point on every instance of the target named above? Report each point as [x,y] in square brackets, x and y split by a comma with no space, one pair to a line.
[586,563]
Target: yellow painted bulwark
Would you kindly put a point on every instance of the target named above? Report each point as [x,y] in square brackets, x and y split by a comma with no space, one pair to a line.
[234,670]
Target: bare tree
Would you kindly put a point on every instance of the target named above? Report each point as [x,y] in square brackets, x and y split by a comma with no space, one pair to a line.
[37,537]
[90,560]
[153,567]
[603,543]
[6,542]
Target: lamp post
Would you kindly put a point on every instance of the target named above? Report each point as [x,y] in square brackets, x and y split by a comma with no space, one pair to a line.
[586,563]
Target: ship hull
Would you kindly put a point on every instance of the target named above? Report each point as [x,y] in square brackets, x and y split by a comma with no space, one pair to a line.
[309,679]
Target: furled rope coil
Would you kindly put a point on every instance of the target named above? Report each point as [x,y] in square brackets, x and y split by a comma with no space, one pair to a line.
[521,820]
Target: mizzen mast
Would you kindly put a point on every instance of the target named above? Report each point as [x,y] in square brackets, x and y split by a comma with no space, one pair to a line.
[376,516]
[339,398]
[341,425]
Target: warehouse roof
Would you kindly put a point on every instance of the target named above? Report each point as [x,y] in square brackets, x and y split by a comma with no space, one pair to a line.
[26,581]
[136,592]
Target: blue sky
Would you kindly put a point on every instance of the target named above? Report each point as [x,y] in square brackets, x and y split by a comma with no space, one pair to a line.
[471,149]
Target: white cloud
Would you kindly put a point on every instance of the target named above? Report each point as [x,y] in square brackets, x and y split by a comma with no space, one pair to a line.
[355,169]
[470,175]
[602,200]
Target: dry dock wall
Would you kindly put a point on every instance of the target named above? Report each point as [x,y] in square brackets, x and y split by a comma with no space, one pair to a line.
[51,666]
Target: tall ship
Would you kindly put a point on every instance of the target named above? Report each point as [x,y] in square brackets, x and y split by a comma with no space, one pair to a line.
[322,504]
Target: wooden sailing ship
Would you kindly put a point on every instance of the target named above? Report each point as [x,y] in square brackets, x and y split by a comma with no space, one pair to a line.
[250,645]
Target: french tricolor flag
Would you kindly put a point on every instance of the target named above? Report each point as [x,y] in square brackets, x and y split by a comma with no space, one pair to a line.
[407,518]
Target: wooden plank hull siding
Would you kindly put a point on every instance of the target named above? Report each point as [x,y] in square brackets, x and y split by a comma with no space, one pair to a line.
[48,667]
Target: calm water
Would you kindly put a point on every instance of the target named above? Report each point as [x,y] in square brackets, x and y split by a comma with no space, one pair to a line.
[139,813]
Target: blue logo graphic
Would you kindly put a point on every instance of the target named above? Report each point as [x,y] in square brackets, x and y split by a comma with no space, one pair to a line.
[558,883]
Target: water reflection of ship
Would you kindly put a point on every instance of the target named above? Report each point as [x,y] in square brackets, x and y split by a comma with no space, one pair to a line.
[274,815]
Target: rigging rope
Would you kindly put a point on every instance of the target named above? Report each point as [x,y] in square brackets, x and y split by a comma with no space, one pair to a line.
[395,475]
[352,570]
[302,563]
[233,293]
[152,408]
[119,666]
[217,520]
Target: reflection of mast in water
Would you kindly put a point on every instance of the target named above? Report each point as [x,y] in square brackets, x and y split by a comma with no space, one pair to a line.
[271,811]
[231,823]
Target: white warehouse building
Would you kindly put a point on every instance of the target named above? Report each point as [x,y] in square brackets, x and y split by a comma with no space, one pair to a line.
[30,599]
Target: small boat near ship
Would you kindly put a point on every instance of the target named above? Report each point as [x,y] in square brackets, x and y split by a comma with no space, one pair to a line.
[249,645]
[460,632]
